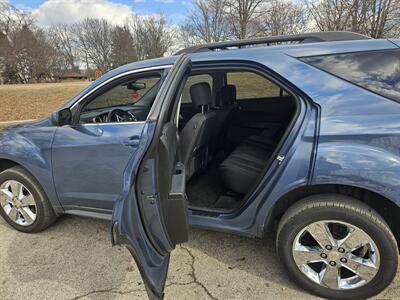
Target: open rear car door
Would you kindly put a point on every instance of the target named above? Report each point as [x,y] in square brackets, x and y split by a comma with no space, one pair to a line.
[150,219]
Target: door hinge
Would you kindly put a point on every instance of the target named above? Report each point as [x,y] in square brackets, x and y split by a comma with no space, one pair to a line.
[280,159]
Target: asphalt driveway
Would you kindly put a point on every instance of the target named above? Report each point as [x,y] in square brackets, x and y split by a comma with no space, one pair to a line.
[74,260]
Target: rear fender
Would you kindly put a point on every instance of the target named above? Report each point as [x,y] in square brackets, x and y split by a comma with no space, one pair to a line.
[367,166]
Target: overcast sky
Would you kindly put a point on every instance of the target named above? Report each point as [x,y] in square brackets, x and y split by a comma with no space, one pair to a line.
[49,12]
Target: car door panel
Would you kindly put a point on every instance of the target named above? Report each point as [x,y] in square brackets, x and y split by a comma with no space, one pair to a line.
[150,217]
[99,153]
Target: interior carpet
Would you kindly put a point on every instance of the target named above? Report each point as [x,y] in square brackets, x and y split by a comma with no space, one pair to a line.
[228,202]
[203,189]
[206,190]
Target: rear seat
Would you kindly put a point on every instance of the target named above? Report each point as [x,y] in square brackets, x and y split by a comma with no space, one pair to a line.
[261,141]
[241,169]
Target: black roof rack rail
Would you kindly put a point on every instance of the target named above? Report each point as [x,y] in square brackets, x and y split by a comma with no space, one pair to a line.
[312,37]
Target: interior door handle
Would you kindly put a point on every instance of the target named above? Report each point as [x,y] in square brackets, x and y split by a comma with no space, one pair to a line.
[132,141]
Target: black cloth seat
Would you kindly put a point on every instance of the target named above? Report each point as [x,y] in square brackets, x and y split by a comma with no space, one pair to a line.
[261,142]
[227,101]
[241,169]
[228,98]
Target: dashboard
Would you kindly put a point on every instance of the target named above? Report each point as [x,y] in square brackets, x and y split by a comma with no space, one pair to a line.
[117,114]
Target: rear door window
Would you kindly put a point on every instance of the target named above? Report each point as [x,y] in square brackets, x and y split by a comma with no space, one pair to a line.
[377,71]
[250,85]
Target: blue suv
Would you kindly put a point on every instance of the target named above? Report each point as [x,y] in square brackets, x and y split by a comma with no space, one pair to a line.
[298,135]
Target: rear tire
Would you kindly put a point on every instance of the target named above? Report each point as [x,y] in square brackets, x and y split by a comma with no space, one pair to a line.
[314,244]
[23,203]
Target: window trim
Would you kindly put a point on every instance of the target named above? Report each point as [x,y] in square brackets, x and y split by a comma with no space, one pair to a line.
[76,108]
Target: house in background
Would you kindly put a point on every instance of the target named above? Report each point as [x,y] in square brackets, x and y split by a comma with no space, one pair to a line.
[72,76]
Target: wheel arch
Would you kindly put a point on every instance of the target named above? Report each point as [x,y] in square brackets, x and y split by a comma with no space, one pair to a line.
[7,163]
[387,208]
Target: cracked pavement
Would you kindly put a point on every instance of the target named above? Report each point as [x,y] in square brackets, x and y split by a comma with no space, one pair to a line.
[74,260]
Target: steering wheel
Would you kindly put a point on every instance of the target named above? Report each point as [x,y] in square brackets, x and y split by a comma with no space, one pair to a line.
[119,115]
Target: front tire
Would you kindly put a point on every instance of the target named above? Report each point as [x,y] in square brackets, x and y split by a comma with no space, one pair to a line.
[23,203]
[337,247]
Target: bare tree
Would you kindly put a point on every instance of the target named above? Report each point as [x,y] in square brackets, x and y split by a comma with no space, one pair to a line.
[34,56]
[370,17]
[206,22]
[244,17]
[330,14]
[284,17]
[393,24]
[13,19]
[93,38]
[122,48]
[384,17]
[28,53]
[61,39]
[5,48]
[7,60]
[152,36]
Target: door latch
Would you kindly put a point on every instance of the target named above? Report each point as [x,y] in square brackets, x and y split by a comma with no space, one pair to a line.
[280,159]
[152,198]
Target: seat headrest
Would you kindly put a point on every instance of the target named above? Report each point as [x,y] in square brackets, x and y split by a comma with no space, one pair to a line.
[228,94]
[201,94]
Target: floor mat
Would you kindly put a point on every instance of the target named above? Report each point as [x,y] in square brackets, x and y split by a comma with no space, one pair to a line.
[207,190]
[204,189]
[228,202]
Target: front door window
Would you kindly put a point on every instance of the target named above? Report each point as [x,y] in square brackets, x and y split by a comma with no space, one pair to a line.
[128,101]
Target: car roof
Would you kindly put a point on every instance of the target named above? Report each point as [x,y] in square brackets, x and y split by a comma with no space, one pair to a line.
[298,50]
[295,50]
[251,54]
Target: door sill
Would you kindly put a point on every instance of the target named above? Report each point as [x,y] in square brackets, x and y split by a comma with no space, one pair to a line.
[90,214]
[204,211]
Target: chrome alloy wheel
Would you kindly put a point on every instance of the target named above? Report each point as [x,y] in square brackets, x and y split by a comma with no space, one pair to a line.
[18,203]
[336,255]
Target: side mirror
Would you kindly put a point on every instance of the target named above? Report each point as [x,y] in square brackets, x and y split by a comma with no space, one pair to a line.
[62,117]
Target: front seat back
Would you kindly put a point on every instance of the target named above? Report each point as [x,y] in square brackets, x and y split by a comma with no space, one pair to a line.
[195,137]
[228,100]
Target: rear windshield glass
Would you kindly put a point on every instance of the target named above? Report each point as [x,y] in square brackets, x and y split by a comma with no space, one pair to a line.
[377,71]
